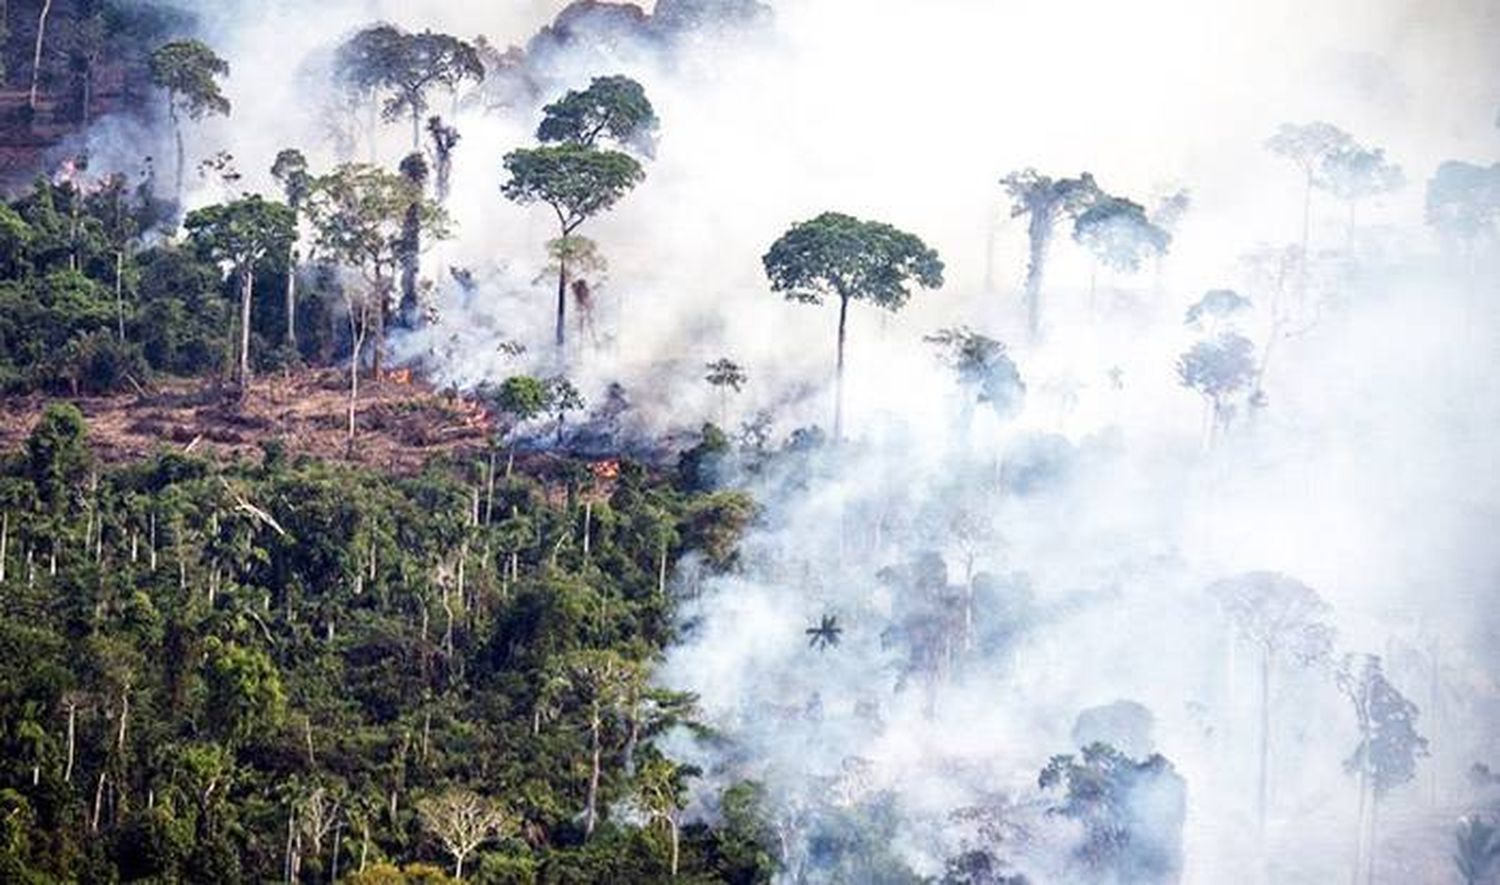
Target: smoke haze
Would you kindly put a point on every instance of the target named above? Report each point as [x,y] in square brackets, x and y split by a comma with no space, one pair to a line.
[1092,521]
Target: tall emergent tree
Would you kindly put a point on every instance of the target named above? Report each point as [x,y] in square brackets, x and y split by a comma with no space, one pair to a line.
[836,255]
[36,57]
[1044,201]
[1353,173]
[240,234]
[571,174]
[600,684]
[361,66]
[1119,234]
[725,375]
[577,183]
[1308,145]
[984,369]
[1388,749]
[415,170]
[1283,619]
[189,72]
[290,169]
[1218,369]
[1463,202]
[445,139]
[614,108]
[384,58]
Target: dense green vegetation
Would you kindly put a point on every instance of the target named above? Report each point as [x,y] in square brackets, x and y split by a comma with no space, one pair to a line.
[93,300]
[252,671]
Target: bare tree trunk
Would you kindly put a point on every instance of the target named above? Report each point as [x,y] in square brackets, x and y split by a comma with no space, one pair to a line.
[489,491]
[1263,790]
[562,295]
[287,864]
[181,148]
[596,762]
[291,297]
[676,843]
[124,718]
[371,128]
[1039,236]
[357,330]
[1306,237]
[1359,828]
[247,294]
[36,57]
[333,876]
[98,803]
[588,518]
[72,736]
[120,290]
[838,380]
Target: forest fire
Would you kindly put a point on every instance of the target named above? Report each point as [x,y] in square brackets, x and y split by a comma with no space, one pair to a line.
[475,416]
[606,469]
[399,376]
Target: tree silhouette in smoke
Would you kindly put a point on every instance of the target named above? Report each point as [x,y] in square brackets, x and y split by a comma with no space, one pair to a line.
[825,634]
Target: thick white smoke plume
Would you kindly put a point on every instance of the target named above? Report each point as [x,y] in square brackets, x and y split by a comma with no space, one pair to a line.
[1077,535]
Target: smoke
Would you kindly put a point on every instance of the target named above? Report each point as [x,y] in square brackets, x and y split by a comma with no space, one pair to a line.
[1074,539]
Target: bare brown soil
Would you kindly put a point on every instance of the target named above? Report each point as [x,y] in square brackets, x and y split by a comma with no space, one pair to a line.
[401,423]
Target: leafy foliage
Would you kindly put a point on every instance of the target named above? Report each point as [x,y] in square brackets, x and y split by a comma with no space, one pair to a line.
[576,182]
[842,256]
[614,107]
[189,72]
[339,687]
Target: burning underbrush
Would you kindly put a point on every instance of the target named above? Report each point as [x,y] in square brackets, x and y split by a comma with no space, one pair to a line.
[403,422]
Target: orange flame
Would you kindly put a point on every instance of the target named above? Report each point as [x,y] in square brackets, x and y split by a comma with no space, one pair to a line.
[609,469]
[399,376]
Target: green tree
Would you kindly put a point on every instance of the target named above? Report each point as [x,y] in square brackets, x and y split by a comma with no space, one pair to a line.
[601,682]
[615,108]
[983,367]
[1044,201]
[359,215]
[1309,146]
[562,398]
[725,375]
[188,71]
[1218,369]
[1353,173]
[1463,203]
[444,138]
[1119,234]
[1283,619]
[57,456]
[518,399]
[244,691]
[661,793]
[240,234]
[1388,750]
[836,255]
[291,171]
[578,183]
[408,66]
